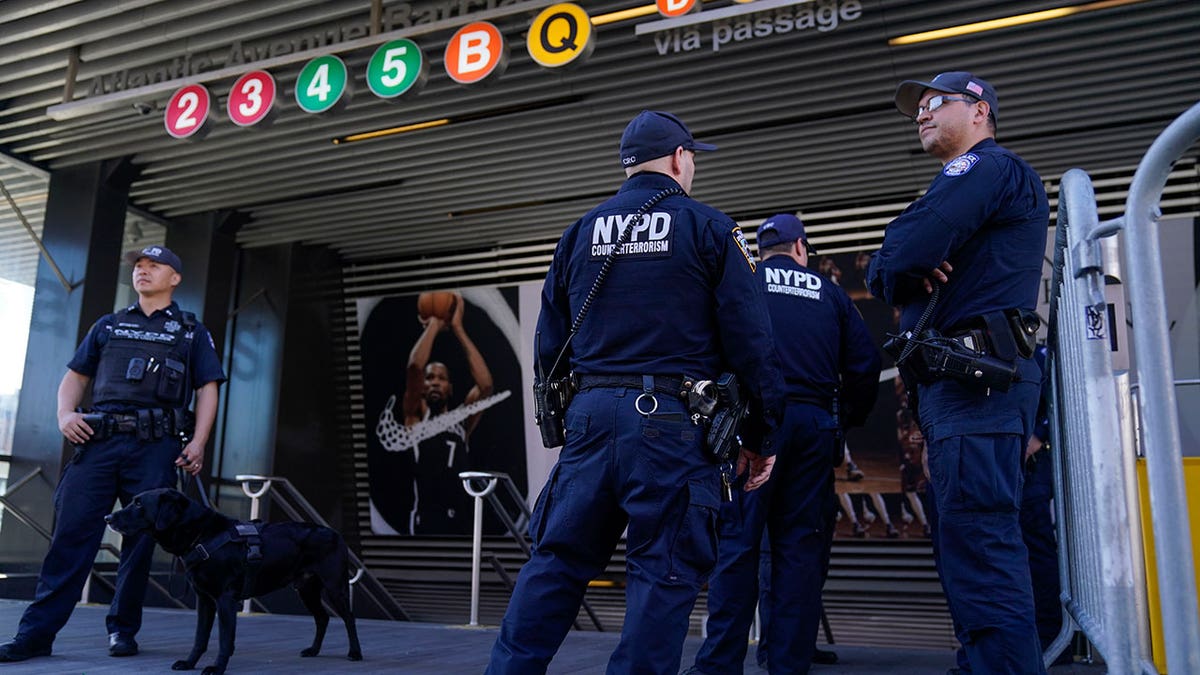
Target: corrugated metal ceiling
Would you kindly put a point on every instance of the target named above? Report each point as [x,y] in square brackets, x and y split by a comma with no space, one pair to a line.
[804,119]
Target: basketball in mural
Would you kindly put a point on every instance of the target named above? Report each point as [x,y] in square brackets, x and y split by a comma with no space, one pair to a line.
[438,303]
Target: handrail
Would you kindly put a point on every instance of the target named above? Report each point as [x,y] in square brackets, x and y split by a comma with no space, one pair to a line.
[488,492]
[1157,405]
[48,536]
[298,508]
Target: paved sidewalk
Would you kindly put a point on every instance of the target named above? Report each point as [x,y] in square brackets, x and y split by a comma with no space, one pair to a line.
[270,643]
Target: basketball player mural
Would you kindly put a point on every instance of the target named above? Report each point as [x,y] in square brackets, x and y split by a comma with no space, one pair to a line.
[434,432]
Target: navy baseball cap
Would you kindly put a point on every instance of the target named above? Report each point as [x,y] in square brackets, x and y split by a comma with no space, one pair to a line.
[654,134]
[159,254]
[908,94]
[783,228]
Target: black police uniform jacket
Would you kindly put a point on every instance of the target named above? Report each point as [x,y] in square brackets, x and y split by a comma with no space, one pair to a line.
[823,343]
[680,300]
[986,213]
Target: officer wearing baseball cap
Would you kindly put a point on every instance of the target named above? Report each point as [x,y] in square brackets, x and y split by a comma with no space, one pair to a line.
[908,94]
[831,367]
[143,363]
[679,304]
[967,255]
[654,134]
[158,254]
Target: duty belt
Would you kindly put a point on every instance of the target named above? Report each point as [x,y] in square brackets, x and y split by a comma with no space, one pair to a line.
[824,402]
[151,423]
[663,384]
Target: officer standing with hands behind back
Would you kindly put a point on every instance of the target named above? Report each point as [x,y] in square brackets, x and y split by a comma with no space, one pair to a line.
[143,363]
[964,263]
[679,305]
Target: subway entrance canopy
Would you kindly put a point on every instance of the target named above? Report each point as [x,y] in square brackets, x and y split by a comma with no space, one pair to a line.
[797,94]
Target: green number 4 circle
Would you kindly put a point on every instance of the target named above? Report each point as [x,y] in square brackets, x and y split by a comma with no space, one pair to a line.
[322,82]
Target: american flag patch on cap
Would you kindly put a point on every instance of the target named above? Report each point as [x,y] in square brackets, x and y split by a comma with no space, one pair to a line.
[974,88]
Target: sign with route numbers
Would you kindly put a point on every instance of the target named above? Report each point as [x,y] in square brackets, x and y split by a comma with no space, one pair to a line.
[396,68]
[321,84]
[561,34]
[187,112]
[475,53]
[673,8]
[252,98]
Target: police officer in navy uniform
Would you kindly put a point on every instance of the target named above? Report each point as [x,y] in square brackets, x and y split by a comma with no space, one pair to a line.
[1038,532]
[974,242]
[680,305]
[826,353]
[143,363]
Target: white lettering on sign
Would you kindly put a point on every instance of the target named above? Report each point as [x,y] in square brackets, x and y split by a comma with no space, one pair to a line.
[473,51]
[820,15]
[395,17]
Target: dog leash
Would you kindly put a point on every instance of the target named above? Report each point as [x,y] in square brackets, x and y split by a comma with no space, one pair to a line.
[185,478]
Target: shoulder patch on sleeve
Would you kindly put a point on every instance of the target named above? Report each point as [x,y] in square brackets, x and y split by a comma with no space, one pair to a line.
[744,247]
[960,165]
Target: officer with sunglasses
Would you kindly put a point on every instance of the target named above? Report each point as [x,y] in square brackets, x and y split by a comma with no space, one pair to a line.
[963,261]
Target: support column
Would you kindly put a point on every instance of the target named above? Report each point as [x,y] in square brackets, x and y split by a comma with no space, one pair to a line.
[82,230]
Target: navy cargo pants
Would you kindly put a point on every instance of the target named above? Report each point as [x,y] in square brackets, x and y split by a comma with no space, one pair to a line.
[976,442]
[617,468]
[118,467]
[796,507]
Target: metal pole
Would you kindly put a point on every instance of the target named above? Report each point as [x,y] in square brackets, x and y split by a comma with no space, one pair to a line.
[1168,494]
[477,536]
[254,496]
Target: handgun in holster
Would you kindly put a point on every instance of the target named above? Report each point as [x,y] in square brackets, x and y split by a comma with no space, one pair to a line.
[720,404]
[550,401]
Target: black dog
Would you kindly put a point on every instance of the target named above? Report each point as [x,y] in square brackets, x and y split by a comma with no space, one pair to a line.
[228,561]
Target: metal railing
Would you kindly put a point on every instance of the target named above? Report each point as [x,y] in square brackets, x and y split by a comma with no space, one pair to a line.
[1093,444]
[1156,404]
[37,527]
[288,498]
[482,485]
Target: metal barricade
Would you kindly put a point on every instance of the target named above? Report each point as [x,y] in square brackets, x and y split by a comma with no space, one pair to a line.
[1096,549]
[482,485]
[288,498]
[1156,404]
[1101,563]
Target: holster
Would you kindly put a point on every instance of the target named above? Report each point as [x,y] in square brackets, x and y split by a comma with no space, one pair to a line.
[551,398]
[99,422]
[721,438]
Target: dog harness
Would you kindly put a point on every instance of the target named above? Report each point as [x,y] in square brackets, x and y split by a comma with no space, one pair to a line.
[248,534]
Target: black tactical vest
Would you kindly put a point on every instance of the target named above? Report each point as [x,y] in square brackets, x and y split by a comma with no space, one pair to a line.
[144,362]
